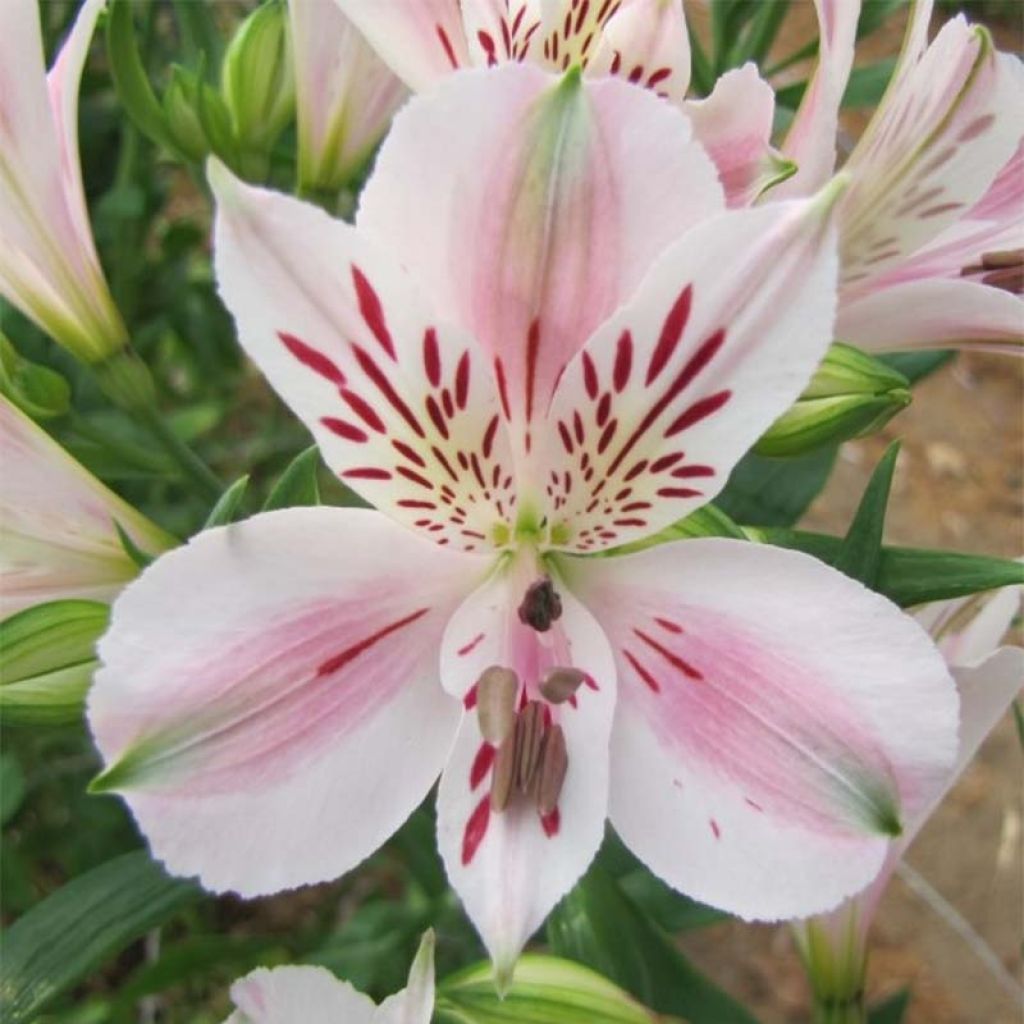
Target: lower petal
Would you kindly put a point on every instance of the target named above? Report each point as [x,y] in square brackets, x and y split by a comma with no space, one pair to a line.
[269,703]
[775,721]
[511,866]
[285,995]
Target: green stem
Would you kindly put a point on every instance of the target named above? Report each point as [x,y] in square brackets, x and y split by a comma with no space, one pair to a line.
[193,468]
[848,1011]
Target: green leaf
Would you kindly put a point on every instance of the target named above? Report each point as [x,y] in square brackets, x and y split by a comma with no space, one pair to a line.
[297,485]
[228,504]
[73,931]
[775,492]
[875,13]
[12,787]
[891,1010]
[910,576]
[47,659]
[915,366]
[598,925]
[860,554]
[544,990]
[38,391]
[867,85]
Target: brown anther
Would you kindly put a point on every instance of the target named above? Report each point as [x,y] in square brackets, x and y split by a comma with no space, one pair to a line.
[496,692]
[503,775]
[554,763]
[1002,269]
[529,737]
[1009,279]
[1004,258]
[541,605]
[560,683]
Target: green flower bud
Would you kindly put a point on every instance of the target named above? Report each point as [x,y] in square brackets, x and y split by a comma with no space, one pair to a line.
[182,114]
[851,395]
[40,392]
[543,990]
[258,80]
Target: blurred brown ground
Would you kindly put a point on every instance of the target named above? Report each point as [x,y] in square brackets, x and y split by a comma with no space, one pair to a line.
[958,485]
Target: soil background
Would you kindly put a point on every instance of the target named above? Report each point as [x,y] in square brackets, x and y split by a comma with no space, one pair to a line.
[958,485]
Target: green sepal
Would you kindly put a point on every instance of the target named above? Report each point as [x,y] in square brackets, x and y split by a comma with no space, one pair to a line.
[297,485]
[228,504]
[37,390]
[47,660]
[180,108]
[543,990]
[131,549]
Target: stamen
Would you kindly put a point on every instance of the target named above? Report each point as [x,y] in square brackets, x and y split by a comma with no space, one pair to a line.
[560,683]
[541,606]
[554,764]
[529,736]
[1000,269]
[496,692]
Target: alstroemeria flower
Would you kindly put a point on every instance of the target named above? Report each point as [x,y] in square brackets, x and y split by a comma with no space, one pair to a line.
[312,995]
[644,42]
[345,95]
[549,340]
[48,263]
[988,678]
[58,523]
[932,227]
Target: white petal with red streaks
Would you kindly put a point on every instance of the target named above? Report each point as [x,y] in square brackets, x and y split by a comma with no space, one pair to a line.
[935,146]
[734,124]
[290,994]
[929,314]
[646,43]
[420,40]
[536,209]
[403,407]
[718,341]
[500,30]
[269,703]
[757,766]
[511,867]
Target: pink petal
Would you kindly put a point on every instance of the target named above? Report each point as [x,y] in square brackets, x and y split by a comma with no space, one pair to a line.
[269,702]
[644,41]
[811,141]
[287,995]
[420,40]
[345,94]
[536,208]
[930,314]
[403,407]
[775,721]
[718,341]
[511,867]
[734,124]
[936,144]
[58,523]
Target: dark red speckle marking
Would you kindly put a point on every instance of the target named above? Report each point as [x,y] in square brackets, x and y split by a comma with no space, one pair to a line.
[471,646]
[551,823]
[642,672]
[481,764]
[714,828]
[431,357]
[476,829]
[469,701]
[311,357]
[623,361]
[371,310]
[350,653]
[671,334]
[446,44]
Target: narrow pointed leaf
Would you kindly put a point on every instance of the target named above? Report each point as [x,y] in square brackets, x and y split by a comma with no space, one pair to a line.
[131,549]
[892,1010]
[228,504]
[12,787]
[74,930]
[297,485]
[861,551]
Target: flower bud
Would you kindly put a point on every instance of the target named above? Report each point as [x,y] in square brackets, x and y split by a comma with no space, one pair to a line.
[257,78]
[181,108]
[851,395]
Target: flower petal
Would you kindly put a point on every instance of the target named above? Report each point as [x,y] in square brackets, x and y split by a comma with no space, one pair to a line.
[415,1003]
[420,40]
[287,995]
[510,867]
[775,721]
[403,407]
[936,144]
[811,140]
[644,42]
[717,342]
[734,124]
[345,94]
[497,31]
[58,537]
[536,209]
[932,314]
[269,703]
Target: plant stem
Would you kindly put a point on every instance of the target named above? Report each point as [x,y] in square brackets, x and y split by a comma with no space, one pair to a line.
[849,1011]
[190,464]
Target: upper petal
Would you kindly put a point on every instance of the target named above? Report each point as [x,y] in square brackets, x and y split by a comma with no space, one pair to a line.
[269,702]
[716,343]
[420,40]
[510,867]
[536,208]
[403,407]
[775,721]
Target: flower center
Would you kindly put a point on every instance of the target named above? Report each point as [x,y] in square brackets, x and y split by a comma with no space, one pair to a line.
[1003,269]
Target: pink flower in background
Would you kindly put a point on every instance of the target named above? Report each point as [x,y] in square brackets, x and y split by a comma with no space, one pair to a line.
[345,96]
[58,523]
[312,995]
[48,263]
[549,340]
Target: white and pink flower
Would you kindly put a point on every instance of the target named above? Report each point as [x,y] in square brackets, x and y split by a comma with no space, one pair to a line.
[551,339]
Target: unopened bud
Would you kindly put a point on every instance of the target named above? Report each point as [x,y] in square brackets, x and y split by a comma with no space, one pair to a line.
[851,395]
[179,101]
[496,693]
[560,683]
